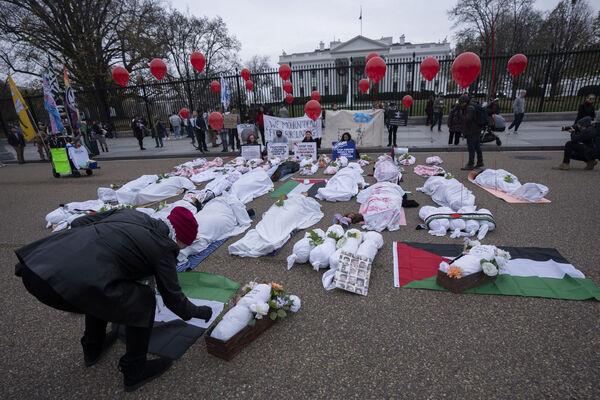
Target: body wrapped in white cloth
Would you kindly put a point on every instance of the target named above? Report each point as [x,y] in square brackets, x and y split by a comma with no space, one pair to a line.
[381,206]
[448,192]
[343,185]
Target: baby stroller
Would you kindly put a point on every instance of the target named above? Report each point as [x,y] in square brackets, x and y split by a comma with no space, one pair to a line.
[496,123]
[63,161]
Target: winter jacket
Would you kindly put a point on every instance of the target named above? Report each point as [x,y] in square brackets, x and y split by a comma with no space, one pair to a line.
[585,110]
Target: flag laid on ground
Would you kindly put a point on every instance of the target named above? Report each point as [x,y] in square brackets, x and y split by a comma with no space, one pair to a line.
[50,86]
[70,104]
[532,272]
[21,109]
[171,336]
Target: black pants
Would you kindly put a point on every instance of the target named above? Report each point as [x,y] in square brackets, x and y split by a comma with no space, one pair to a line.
[234,137]
[140,139]
[575,151]
[159,141]
[453,135]
[201,139]
[517,121]
[392,129]
[136,338]
[474,146]
[261,129]
[437,118]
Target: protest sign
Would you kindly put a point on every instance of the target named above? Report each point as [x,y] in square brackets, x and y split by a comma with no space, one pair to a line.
[399,118]
[251,151]
[279,150]
[366,127]
[230,121]
[344,149]
[292,128]
[303,150]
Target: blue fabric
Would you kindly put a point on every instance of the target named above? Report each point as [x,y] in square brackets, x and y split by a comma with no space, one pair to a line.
[193,261]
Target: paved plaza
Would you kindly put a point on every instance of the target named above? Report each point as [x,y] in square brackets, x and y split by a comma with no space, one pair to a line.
[393,343]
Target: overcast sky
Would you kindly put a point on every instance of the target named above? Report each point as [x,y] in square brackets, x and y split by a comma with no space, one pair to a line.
[267,27]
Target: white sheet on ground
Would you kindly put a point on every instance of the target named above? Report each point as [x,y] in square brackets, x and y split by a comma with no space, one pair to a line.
[495,179]
[386,170]
[127,193]
[343,185]
[381,206]
[448,192]
[251,185]
[276,226]
[158,191]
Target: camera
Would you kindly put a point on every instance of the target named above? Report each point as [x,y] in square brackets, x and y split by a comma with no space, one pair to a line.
[566,128]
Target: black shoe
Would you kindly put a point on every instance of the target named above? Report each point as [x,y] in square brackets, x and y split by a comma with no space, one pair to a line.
[156,147]
[479,165]
[139,372]
[389,145]
[251,213]
[91,356]
[467,167]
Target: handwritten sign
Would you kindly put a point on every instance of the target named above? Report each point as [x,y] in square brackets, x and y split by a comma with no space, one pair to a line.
[292,128]
[280,150]
[344,149]
[251,152]
[399,118]
[304,150]
[230,121]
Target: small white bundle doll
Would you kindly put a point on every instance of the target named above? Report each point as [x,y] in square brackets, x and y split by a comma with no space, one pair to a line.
[372,242]
[349,243]
[303,247]
[319,256]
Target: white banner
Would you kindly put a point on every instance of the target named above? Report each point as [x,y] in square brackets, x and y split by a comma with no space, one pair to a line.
[292,128]
[279,150]
[308,149]
[366,127]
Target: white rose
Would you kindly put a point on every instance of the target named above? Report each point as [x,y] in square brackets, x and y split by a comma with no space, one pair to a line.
[501,261]
[444,266]
[260,309]
[503,254]
[296,303]
[489,269]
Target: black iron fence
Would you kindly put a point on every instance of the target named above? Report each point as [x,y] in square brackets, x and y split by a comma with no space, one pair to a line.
[554,81]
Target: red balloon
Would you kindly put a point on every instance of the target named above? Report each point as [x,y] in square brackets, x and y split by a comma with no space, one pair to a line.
[315,95]
[249,85]
[517,64]
[184,113]
[375,69]
[287,87]
[215,86]
[245,74]
[429,68]
[363,85]
[312,109]
[407,101]
[198,61]
[285,72]
[289,98]
[215,120]
[120,75]
[371,55]
[158,68]
[466,68]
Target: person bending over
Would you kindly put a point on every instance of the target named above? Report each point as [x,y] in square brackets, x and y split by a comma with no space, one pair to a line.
[100,276]
[584,144]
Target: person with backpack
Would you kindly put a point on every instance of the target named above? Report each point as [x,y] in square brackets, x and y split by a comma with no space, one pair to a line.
[473,119]
[438,112]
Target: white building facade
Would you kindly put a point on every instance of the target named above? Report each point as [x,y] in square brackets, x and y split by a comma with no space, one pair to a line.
[328,69]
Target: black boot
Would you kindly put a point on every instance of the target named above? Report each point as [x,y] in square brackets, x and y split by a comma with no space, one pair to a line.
[467,167]
[93,351]
[137,370]
[479,164]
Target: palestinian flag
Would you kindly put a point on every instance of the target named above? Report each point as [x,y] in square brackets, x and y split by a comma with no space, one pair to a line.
[532,272]
[171,336]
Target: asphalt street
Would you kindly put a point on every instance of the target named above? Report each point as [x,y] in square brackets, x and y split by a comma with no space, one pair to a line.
[393,343]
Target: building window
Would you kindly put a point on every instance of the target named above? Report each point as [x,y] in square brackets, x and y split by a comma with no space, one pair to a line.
[395,87]
[301,91]
[326,73]
[395,68]
[436,85]
[422,86]
[314,88]
[313,73]
[345,88]
[300,74]
[326,89]
[409,86]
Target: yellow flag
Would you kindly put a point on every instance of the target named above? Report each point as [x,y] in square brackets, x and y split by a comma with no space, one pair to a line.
[21,109]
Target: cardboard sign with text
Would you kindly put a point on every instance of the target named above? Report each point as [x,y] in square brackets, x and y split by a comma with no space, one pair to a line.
[279,150]
[230,121]
[251,152]
[304,150]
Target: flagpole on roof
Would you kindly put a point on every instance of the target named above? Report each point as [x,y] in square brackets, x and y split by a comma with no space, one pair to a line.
[360,18]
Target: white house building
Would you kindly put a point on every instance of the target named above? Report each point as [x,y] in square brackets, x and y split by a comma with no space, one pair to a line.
[328,69]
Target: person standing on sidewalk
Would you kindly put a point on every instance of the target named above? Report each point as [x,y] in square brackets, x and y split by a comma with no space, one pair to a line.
[138,131]
[260,122]
[200,131]
[175,122]
[234,138]
[161,132]
[17,141]
[471,130]
[392,113]
[518,110]
[438,112]
[454,124]
[429,111]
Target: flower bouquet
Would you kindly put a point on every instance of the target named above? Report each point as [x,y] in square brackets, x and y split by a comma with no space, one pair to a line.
[256,308]
[477,265]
